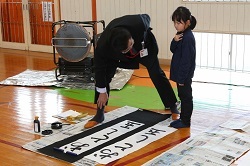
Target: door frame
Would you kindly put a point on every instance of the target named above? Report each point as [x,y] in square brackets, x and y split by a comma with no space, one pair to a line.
[27,31]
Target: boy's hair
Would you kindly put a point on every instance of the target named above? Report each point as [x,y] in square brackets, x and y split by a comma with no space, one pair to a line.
[119,38]
[183,14]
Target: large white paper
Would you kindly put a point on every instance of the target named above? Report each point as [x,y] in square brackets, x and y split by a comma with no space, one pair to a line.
[82,145]
[130,144]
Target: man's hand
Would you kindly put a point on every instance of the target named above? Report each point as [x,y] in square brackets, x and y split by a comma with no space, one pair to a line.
[102,100]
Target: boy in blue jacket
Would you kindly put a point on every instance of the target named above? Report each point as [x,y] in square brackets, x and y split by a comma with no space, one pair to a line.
[183,63]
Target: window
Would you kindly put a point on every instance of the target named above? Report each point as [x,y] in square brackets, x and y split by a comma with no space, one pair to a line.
[223,51]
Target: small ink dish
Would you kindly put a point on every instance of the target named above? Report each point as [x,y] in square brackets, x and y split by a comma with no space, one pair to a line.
[57,125]
[47,132]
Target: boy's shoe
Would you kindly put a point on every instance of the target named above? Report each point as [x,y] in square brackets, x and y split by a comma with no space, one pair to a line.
[178,124]
[98,118]
[94,121]
[90,124]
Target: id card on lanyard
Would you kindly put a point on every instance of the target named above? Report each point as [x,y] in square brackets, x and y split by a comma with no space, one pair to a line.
[144,51]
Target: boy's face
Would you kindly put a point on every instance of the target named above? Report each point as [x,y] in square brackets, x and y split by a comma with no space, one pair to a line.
[130,46]
[181,26]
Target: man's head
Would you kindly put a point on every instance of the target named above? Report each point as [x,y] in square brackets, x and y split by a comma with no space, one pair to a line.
[121,40]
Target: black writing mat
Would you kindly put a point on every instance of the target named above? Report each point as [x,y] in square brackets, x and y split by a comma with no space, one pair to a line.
[148,118]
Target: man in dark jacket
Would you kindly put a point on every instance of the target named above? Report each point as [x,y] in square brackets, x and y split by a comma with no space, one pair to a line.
[127,42]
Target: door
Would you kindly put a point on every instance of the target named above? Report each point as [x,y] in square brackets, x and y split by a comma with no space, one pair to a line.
[26,24]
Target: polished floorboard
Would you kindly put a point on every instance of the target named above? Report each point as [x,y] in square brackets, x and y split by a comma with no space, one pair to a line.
[214,103]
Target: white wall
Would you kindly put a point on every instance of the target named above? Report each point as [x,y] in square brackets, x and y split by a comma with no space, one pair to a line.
[76,10]
[221,17]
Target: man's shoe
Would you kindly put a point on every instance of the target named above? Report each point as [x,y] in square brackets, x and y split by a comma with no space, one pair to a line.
[178,105]
[175,116]
[167,108]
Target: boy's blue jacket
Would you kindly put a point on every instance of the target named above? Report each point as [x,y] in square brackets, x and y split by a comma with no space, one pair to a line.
[183,60]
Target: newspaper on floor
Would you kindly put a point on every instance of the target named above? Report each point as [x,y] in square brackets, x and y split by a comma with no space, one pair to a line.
[47,78]
[243,125]
[216,147]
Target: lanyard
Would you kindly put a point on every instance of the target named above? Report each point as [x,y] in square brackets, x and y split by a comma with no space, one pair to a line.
[132,54]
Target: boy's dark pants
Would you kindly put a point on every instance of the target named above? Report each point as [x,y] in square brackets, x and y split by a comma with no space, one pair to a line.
[186,97]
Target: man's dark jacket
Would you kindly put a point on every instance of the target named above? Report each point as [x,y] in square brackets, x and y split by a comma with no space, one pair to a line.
[106,59]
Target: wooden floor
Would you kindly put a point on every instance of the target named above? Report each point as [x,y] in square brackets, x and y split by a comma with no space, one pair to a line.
[213,105]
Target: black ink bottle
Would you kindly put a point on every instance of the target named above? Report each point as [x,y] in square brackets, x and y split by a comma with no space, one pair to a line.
[36,125]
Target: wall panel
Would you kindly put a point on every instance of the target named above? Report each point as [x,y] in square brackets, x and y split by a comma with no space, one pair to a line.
[240,16]
[246,22]
[219,16]
[213,14]
[226,19]
[76,10]
[233,18]
[207,16]
[200,16]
